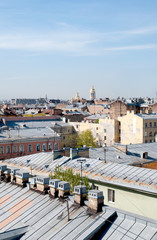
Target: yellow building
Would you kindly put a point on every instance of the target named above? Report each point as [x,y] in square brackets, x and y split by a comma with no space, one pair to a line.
[106,131]
[138,128]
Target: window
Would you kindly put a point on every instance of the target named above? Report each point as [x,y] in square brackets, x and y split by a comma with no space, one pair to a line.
[30,148]
[8,149]
[1,150]
[104,137]
[145,134]
[150,134]
[104,130]
[111,195]
[146,125]
[50,146]
[56,146]
[154,124]
[154,134]
[150,124]
[145,141]
[15,149]
[44,147]
[97,128]
[21,148]
[38,147]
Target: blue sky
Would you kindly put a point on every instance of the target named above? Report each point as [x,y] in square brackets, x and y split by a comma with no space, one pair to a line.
[59,47]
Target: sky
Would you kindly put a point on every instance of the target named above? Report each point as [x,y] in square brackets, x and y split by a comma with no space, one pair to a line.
[60,47]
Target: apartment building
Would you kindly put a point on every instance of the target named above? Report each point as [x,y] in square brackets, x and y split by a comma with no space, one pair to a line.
[106,131]
[137,128]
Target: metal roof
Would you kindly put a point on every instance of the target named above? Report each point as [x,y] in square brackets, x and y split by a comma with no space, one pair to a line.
[133,153]
[148,116]
[46,218]
[141,179]
[25,133]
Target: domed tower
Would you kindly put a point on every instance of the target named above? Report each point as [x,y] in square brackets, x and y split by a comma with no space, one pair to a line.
[77,96]
[92,93]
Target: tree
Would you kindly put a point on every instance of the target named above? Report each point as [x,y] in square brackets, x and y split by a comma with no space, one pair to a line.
[71,141]
[86,138]
[69,176]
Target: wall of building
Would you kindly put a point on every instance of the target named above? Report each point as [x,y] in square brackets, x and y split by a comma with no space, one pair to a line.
[56,144]
[131,201]
[131,128]
[135,129]
[104,132]
[149,130]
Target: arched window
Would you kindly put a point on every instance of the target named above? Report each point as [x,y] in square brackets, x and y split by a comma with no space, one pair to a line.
[38,147]
[56,146]
[8,149]
[1,150]
[21,148]
[44,147]
[50,146]
[14,149]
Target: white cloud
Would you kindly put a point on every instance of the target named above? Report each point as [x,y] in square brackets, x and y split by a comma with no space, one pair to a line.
[74,42]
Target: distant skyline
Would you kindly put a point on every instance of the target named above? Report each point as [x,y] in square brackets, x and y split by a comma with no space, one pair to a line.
[59,47]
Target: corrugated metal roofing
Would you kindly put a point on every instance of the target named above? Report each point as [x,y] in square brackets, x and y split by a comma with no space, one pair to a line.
[47,218]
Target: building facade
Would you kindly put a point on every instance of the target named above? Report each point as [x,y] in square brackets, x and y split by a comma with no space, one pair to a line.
[137,128]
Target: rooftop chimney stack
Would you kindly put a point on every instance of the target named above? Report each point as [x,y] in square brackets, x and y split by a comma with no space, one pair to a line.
[64,189]
[7,176]
[95,200]
[22,178]
[80,193]
[42,184]
[3,168]
[13,173]
[53,184]
[33,182]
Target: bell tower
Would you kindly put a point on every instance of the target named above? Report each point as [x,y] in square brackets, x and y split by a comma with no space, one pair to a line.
[92,93]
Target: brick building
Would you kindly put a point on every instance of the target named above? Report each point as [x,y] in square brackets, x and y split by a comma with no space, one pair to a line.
[120,108]
[19,142]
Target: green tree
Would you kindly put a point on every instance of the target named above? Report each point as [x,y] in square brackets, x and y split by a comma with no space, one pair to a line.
[71,141]
[69,176]
[86,138]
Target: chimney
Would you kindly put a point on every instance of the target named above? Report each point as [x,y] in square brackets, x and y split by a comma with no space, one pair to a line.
[144,155]
[13,173]
[53,184]
[7,176]
[42,184]
[83,152]
[33,182]
[80,193]
[73,153]
[64,189]
[95,200]
[57,153]
[3,168]
[22,178]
